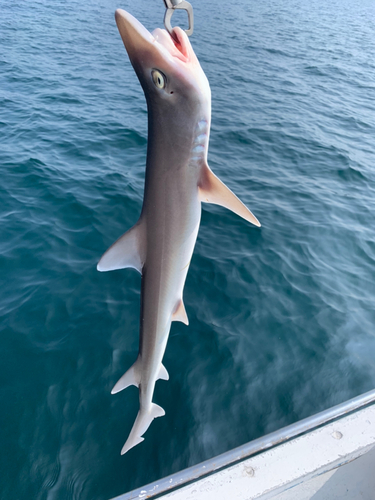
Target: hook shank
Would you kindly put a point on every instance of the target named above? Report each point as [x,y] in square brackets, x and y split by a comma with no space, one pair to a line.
[171,6]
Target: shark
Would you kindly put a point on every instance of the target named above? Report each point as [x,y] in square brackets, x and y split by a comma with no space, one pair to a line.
[177,181]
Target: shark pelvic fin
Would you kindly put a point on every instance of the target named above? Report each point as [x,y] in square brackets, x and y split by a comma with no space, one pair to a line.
[133,377]
[180,313]
[127,251]
[213,190]
[141,424]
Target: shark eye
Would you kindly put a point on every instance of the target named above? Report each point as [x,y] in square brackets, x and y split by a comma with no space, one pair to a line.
[158,79]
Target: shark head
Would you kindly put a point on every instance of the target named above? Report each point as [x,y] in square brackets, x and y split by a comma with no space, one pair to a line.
[166,65]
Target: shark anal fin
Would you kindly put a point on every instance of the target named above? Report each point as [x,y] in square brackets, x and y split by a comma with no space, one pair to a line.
[213,190]
[127,251]
[180,313]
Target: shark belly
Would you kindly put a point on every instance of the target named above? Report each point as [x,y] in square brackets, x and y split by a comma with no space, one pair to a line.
[173,218]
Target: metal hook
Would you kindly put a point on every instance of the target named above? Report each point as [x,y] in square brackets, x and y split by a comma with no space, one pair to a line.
[171,5]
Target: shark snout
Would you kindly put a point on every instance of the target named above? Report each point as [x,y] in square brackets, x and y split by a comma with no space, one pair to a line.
[152,48]
[135,36]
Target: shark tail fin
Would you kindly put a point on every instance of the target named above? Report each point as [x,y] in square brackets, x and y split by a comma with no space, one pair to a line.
[141,424]
[133,376]
[213,190]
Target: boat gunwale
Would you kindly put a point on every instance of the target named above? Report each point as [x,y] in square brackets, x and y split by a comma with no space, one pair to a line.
[236,455]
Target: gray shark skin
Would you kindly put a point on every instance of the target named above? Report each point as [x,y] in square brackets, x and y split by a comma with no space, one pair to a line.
[178,179]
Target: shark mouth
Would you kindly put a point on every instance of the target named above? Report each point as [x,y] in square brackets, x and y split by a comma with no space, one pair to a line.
[177,45]
[135,35]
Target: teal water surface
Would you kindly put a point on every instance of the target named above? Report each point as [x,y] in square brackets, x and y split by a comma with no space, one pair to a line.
[281,318]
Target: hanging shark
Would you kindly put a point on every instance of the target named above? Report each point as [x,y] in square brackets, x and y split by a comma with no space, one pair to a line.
[178,179]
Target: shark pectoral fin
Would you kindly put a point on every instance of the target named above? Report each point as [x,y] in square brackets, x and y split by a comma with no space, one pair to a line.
[127,251]
[163,374]
[131,377]
[180,313]
[141,424]
[213,190]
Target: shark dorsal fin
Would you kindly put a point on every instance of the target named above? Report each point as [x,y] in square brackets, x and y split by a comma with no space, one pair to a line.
[127,251]
[180,313]
[213,190]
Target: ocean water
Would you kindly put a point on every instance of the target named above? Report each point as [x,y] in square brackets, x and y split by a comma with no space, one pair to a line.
[281,318]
